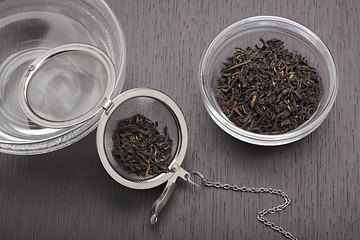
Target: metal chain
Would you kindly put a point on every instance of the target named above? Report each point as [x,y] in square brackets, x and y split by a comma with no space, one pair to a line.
[261,214]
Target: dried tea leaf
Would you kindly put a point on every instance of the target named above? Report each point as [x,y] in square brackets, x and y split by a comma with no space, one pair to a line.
[271,89]
[138,146]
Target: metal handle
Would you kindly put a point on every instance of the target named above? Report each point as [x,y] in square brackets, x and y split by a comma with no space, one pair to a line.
[159,204]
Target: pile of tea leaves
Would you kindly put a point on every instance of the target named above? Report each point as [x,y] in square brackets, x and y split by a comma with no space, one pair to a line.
[268,89]
[140,148]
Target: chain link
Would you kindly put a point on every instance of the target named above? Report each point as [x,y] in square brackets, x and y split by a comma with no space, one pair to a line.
[261,214]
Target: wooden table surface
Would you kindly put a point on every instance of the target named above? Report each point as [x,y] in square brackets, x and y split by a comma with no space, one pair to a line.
[67,194]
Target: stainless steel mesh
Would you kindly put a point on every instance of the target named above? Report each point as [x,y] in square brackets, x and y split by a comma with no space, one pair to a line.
[153,109]
[67,86]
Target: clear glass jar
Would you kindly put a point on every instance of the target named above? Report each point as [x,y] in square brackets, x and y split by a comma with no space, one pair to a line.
[246,33]
[29,28]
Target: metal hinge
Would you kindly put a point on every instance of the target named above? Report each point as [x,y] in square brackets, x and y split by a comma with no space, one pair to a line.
[107,105]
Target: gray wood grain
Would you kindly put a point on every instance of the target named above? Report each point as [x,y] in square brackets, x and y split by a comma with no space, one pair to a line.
[68,195]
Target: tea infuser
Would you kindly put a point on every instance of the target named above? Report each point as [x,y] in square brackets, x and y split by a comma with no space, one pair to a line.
[72,83]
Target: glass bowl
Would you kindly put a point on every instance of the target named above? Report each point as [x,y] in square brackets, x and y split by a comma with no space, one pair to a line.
[28,28]
[246,33]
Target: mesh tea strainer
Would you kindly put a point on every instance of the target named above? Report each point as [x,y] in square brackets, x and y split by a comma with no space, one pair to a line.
[160,108]
[72,83]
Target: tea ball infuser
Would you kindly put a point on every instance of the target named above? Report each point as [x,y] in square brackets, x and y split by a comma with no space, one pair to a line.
[72,83]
